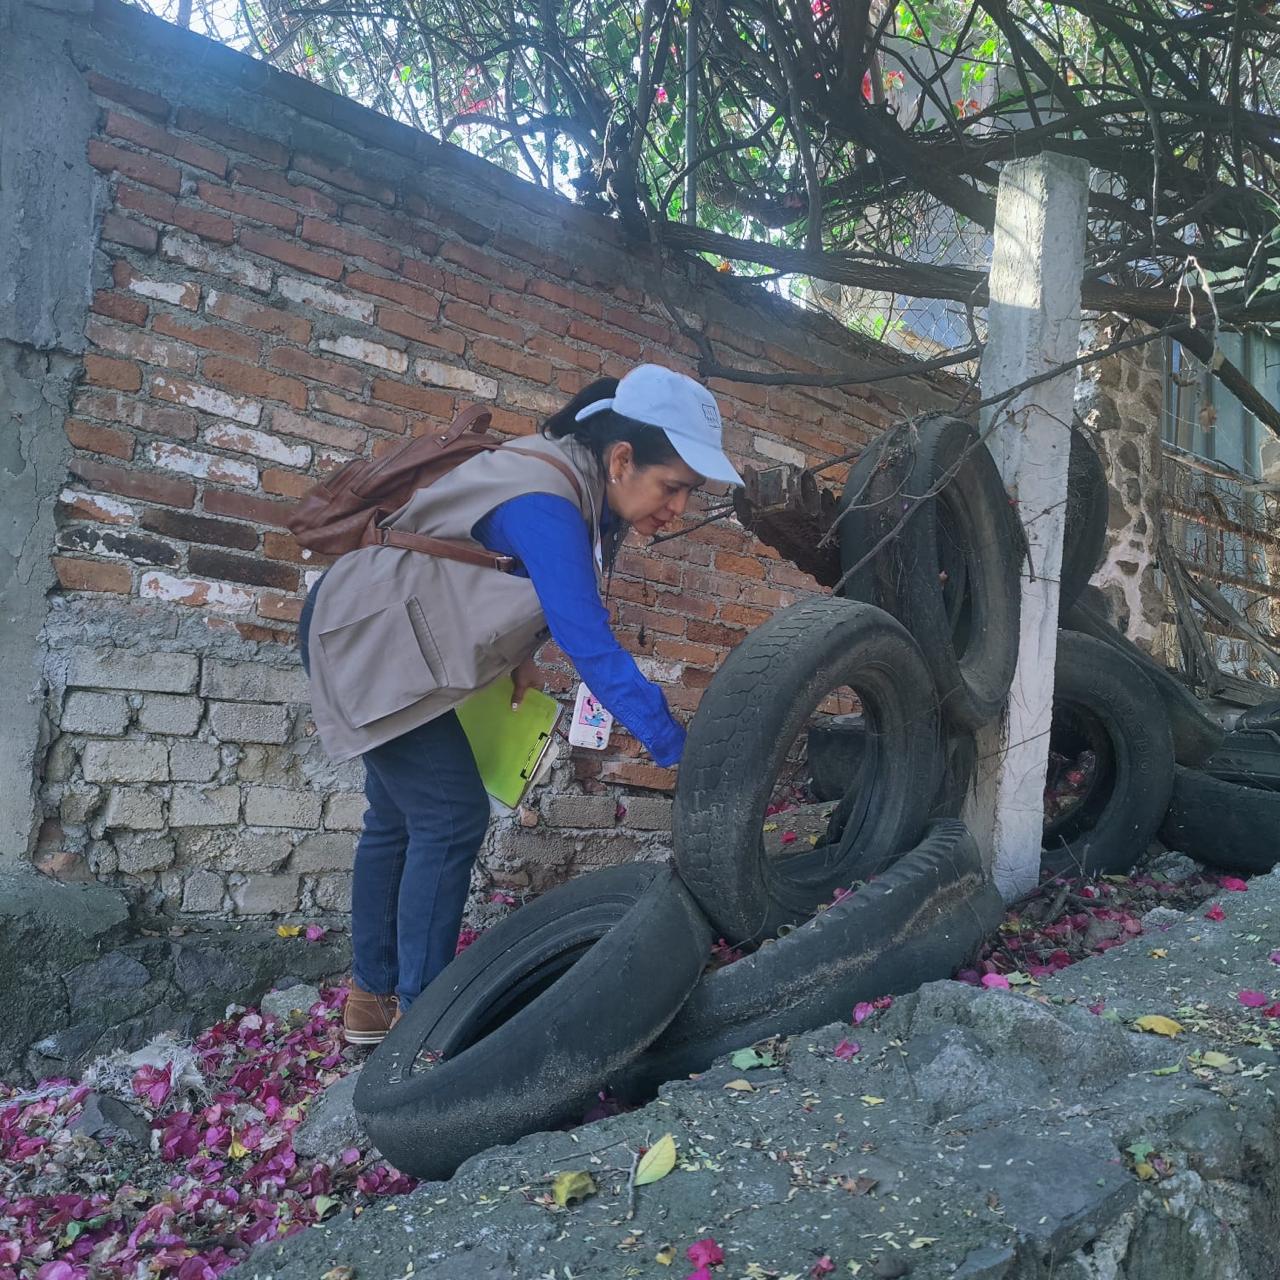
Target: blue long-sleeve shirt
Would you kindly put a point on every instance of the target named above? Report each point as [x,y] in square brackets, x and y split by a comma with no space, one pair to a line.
[550,539]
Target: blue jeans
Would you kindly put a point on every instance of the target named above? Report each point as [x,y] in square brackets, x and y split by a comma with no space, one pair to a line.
[428,812]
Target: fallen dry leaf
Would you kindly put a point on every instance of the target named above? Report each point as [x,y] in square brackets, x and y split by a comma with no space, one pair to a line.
[1158,1025]
[740,1086]
[657,1162]
[572,1188]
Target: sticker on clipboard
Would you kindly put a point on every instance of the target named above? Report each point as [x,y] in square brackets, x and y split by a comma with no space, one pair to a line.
[591,723]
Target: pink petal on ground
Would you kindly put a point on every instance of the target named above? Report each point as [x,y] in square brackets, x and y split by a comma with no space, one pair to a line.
[823,1267]
[1272,1011]
[705,1253]
[1215,912]
[788,837]
[997,980]
[315,933]
[701,1274]
[1252,999]
[1274,957]
[862,1011]
[847,1049]
[1233,884]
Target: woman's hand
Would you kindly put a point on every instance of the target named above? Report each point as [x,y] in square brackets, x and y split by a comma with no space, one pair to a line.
[526,676]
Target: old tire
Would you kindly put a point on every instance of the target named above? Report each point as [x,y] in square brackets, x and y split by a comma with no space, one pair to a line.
[534,1018]
[950,574]
[1084,536]
[1196,735]
[1266,715]
[1101,702]
[1221,824]
[1249,758]
[752,711]
[919,921]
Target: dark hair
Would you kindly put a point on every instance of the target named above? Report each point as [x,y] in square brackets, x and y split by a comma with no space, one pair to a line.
[649,445]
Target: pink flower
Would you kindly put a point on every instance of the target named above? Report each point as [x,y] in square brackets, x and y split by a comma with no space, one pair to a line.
[1098,1008]
[660,95]
[1274,957]
[1252,999]
[1233,884]
[1272,1010]
[823,1267]
[997,980]
[788,837]
[314,933]
[502,898]
[847,1049]
[1215,912]
[705,1253]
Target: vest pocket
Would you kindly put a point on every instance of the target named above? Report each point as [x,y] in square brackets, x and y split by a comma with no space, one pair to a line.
[382,663]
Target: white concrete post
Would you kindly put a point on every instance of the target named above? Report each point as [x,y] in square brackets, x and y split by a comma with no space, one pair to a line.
[1033,325]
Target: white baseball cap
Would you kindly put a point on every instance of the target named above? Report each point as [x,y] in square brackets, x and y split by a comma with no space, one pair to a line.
[684,410]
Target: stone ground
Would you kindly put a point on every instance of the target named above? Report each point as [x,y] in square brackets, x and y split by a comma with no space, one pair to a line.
[982,1134]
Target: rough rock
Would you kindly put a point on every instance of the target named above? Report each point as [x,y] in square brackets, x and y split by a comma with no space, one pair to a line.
[290,1004]
[108,1119]
[331,1124]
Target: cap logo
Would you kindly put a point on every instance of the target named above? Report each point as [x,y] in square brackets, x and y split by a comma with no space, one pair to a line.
[712,415]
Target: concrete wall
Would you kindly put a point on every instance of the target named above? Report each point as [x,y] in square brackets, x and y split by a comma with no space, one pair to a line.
[281,280]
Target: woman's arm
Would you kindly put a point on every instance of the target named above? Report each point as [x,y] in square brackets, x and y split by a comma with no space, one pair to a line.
[548,535]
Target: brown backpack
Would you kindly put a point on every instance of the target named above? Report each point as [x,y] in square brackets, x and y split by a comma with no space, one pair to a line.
[345,511]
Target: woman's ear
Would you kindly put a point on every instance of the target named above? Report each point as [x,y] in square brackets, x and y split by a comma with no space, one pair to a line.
[619,460]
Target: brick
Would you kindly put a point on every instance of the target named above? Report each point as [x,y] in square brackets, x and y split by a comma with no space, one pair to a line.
[562,352]
[140,345]
[102,714]
[134,809]
[574,299]
[182,293]
[193,528]
[249,722]
[541,400]
[230,306]
[175,213]
[333,893]
[262,895]
[317,369]
[648,813]
[391,226]
[330,300]
[648,777]
[244,506]
[137,854]
[96,507]
[520,363]
[324,851]
[512,424]
[209,562]
[434,403]
[104,371]
[203,893]
[151,172]
[291,254]
[251,381]
[285,422]
[281,807]
[252,682]
[697,655]
[484,264]
[470,292]
[350,243]
[410,298]
[204,466]
[193,761]
[117,307]
[147,104]
[225,263]
[206,399]
[207,126]
[142,134]
[340,176]
[94,439]
[117,544]
[279,608]
[277,184]
[128,232]
[447,375]
[245,205]
[172,714]
[597,335]
[209,337]
[284,546]
[544,318]
[286,484]
[744,615]
[260,444]
[633,322]
[134,484]
[419,330]
[195,593]
[116,669]
[745,566]
[474,320]
[204,806]
[344,811]
[127,760]
[374,353]
[579,811]
[93,575]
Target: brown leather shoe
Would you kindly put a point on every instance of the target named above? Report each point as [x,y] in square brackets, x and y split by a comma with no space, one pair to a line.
[366,1018]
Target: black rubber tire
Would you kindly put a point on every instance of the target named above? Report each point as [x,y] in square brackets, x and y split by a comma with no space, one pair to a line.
[1084,537]
[835,751]
[1249,758]
[1266,715]
[951,573]
[754,708]
[919,921]
[1221,824]
[1196,735]
[1099,697]
[534,1018]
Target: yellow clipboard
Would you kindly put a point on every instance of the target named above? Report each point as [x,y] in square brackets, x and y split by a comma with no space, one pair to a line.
[508,745]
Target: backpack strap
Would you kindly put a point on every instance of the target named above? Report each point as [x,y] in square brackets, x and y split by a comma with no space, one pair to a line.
[441,547]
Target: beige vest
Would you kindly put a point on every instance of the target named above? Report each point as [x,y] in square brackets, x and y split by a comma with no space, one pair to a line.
[398,638]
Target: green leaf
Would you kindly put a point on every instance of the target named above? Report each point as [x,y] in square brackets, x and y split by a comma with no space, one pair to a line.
[325,1204]
[748,1059]
[1140,1150]
[657,1162]
[1168,1071]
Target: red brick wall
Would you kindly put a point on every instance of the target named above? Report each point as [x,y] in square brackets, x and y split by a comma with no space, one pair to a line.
[275,300]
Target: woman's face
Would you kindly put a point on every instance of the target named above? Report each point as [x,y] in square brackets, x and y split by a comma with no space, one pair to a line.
[647,498]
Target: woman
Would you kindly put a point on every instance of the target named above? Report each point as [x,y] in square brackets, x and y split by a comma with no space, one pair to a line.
[394,640]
